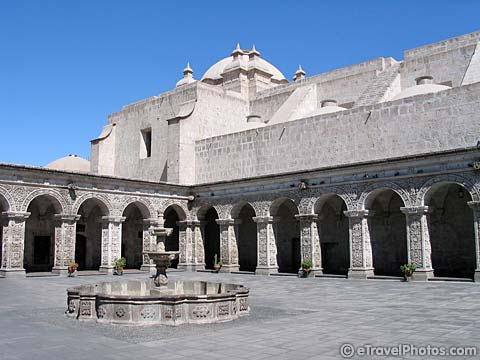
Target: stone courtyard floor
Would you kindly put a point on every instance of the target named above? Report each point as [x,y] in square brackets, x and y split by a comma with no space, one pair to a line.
[290,318]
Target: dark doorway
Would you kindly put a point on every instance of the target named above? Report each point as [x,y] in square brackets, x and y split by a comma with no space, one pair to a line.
[451,229]
[388,232]
[334,235]
[212,238]
[246,233]
[42,253]
[172,242]
[81,251]
[286,230]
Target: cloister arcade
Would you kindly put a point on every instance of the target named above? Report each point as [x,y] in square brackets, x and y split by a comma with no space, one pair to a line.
[366,233]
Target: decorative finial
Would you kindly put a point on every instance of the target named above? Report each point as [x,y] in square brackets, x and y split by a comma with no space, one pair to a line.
[188,69]
[237,51]
[299,74]
[187,76]
[253,52]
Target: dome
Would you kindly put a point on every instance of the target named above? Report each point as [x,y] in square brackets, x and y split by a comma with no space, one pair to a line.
[215,71]
[324,110]
[420,90]
[72,163]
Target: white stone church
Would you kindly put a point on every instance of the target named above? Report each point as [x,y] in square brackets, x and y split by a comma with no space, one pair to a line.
[360,170]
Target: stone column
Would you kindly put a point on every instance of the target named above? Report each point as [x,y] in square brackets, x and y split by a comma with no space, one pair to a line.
[228,245]
[361,264]
[148,245]
[111,241]
[310,241]
[475,205]
[13,241]
[65,236]
[418,241]
[267,248]
[192,257]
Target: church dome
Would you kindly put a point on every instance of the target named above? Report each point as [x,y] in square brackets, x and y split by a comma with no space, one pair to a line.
[72,163]
[424,85]
[217,69]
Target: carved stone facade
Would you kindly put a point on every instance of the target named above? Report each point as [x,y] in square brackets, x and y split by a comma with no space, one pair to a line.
[277,191]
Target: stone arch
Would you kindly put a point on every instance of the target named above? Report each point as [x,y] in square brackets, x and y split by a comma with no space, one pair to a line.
[178,210]
[243,214]
[179,205]
[41,251]
[286,231]
[88,237]
[208,214]
[388,230]
[56,197]
[100,199]
[235,209]
[333,229]
[451,229]
[431,184]
[279,201]
[373,190]
[144,206]
[7,203]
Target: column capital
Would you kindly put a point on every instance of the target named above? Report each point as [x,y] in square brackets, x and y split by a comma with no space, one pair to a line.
[16,215]
[186,223]
[113,219]
[151,221]
[225,221]
[474,205]
[263,219]
[67,217]
[306,217]
[358,213]
[416,210]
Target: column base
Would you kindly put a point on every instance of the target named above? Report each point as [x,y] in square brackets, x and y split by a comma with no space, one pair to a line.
[476,277]
[360,274]
[60,270]
[150,268]
[422,275]
[229,268]
[191,267]
[266,270]
[13,273]
[106,269]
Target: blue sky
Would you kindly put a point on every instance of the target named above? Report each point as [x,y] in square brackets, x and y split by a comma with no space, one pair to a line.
[65,65]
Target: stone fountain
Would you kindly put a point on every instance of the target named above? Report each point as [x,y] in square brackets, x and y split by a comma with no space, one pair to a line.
[160,257]
[143,302]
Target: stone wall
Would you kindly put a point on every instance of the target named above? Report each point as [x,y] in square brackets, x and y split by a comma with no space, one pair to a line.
[421,124]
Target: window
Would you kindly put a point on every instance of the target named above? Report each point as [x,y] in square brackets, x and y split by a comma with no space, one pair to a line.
[146,143]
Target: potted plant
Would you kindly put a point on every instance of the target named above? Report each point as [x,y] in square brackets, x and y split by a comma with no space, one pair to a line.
[72,269]
[408,270]
[119,265]
[217,265]
[307,266]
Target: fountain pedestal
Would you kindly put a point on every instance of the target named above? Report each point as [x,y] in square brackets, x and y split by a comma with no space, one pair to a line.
[160,257]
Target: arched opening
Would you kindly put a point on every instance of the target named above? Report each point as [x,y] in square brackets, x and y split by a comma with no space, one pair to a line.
[286,230]
[388,232]
[334,234]
[3,208]
[88,239]
[246,234]
[211,235]
[40,234]
[132,234]
[172,215]
[451,229]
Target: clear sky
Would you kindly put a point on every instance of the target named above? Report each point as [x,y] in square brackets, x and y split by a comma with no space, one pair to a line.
[65,65]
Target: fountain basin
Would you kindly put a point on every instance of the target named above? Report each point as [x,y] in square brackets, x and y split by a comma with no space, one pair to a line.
[140,302]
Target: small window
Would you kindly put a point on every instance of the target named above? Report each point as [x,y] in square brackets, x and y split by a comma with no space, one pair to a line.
[146,144]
